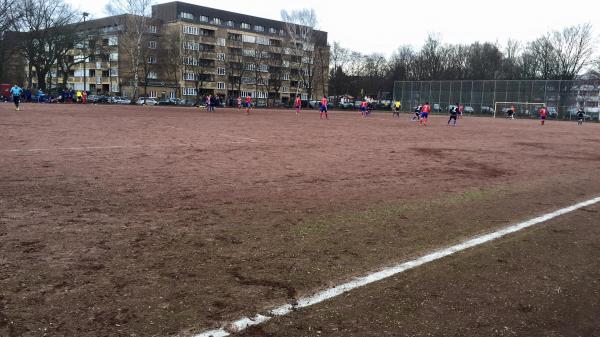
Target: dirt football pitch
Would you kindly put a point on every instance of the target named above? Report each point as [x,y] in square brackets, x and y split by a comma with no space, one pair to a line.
[152,221]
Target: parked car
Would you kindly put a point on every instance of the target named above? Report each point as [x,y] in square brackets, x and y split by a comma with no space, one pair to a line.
[170,101]
[121,100]
[146,101]
[346,105]
[487,109]
[552,111]
[468,109]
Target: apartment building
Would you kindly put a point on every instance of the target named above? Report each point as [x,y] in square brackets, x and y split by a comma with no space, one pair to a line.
[230,54]
[190,51]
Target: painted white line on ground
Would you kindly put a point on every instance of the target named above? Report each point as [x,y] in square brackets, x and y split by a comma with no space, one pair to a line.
[245,322]
[252,140]
[84,148]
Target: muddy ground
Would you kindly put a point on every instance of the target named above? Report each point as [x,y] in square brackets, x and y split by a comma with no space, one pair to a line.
[132,221]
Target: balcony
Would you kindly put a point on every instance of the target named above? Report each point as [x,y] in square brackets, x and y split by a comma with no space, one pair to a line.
[208,39]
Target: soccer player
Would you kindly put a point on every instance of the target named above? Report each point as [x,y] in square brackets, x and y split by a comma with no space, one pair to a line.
[298,105]
[543,114]
[461,108]
[363,108]
[417,112]
[510,113]
[324,108]
[580,116]
[454,114]
[16,92]
[239,103]
[248,103]
[425,110]
[84,96]
[397,106]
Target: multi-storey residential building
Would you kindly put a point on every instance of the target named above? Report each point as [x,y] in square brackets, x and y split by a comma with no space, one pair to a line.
[230,54]
[189,51]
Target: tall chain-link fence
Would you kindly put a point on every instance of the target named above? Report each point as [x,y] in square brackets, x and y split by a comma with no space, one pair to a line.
[493,97]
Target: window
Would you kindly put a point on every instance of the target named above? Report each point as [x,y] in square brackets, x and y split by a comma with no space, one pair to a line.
[151,59]
[188,16]
[78,73]
[152,29]
[113,57]
[244,25]
[113,40]
[285,89]
[221,85]
[249,38]
[282,32]
[272,30]
[286,76]
[190,61]
[249,52]
[191,45]
[221,56]
[262,40]
[306,59]
[152,93]
[250,66]
[115,88]
[216,21]
[259,28]
[230,24]
[152,45]
[264,68]
[189,76]
[79,58]
[262,94]
[304,97]
[247,93]
[221,42]
[248,80]
[189,91]
[221,71]
[152,75]
[203,18]
[191,30]
[114,72]
[287,51]
[286,63]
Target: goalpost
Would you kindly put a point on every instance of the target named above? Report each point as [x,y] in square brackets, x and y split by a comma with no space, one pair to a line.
[519,108]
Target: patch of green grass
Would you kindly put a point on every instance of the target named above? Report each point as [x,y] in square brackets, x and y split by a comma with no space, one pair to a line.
[382,215]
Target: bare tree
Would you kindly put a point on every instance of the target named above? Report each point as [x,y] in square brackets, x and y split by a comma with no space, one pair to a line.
[10,16]
[44,22]
[197,64]
[171,51]
[134,41]
[574,50]
[300,27]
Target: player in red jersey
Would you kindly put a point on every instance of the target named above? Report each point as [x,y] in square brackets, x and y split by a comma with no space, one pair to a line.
[324,108]
[425,110]
[543,113]
[248,104]
[298,105]
[363,108]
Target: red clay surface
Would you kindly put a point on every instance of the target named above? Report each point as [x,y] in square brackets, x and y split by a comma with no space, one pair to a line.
[166,221]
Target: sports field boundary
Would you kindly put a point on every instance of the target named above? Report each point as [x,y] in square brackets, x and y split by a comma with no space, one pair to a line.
[329,293]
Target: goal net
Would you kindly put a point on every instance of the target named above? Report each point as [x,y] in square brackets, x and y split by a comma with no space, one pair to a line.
[517,109]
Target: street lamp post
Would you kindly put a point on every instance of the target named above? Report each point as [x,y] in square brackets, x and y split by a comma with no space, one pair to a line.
[85,15]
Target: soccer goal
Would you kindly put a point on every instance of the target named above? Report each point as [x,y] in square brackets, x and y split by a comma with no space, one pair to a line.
[519,109]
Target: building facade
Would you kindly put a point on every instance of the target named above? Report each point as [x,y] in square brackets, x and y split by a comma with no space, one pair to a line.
[190,51]
[229,55]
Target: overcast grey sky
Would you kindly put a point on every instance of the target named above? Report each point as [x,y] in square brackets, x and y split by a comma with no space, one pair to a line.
[383,25]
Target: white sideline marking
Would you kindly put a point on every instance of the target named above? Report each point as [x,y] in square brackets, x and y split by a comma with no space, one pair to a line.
[245,322]
[252,140]
[83,148]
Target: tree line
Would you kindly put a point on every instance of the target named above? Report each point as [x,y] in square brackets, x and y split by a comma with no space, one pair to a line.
[557,55]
